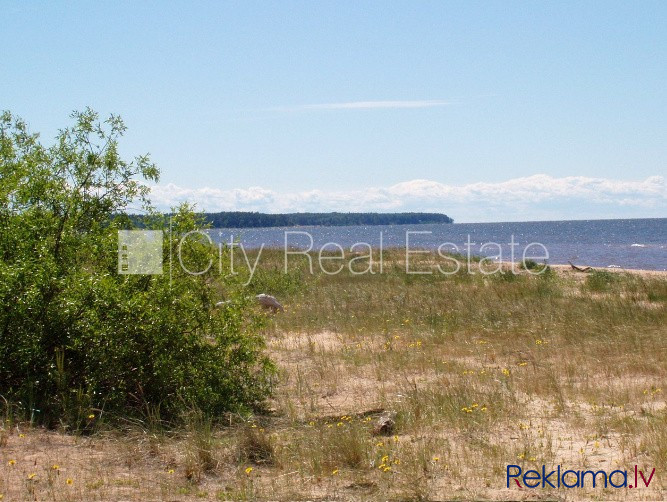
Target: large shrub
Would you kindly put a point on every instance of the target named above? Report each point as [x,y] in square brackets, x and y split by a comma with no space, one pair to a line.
[76,337]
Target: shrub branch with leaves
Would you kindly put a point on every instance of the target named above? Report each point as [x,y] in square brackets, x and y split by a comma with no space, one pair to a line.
[75,336]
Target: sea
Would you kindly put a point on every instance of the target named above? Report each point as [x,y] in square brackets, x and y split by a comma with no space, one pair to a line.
[625,244]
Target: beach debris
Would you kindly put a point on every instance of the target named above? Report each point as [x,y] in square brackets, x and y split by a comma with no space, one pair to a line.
[580,269]
[385,424]
[269,302]
[266,301]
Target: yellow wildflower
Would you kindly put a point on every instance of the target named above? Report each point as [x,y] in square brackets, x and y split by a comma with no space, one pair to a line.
[11,462]
[69,481]
[248,470]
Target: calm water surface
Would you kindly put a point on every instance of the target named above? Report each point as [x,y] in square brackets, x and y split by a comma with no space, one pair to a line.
[637,243]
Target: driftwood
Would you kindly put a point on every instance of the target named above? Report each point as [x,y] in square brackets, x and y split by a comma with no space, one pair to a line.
[266,301]
[580,269]
[385,424]
[269,302]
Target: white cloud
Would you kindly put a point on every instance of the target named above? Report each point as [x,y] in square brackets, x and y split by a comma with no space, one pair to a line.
[369,105]
[534,197]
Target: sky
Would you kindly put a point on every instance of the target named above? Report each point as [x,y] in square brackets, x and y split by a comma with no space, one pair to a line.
[486,111]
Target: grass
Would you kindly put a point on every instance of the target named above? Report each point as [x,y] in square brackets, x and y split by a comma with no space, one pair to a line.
[480,372]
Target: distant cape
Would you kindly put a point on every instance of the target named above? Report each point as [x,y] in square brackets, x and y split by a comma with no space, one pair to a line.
[241,219]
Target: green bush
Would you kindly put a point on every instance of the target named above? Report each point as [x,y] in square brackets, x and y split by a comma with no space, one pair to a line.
[277,282]
[600,280]
[533,266]
[79,340]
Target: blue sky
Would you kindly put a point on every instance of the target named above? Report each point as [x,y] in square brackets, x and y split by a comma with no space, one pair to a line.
[490,111]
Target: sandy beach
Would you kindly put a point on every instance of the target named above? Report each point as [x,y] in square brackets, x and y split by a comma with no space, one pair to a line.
[475,373]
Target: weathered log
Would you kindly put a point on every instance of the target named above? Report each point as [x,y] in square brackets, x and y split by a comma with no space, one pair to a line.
[580,269]
[385,424]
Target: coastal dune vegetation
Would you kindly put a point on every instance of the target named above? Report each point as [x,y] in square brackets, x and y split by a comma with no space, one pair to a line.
[478,372]
[129,387]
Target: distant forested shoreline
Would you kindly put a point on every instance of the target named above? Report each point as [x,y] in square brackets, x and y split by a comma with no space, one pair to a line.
[241,219]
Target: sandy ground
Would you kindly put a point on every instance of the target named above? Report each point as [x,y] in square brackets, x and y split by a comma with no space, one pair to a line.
[47,465]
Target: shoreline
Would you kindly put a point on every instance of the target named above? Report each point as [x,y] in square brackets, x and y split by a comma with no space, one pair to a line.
[298,242]
[564,268]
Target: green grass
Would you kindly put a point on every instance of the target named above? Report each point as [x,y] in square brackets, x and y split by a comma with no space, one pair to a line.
[481,371]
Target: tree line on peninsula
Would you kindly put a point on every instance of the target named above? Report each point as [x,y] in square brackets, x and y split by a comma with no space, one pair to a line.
[247,219]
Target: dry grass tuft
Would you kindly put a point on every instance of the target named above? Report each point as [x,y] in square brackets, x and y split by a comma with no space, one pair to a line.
[256,446]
